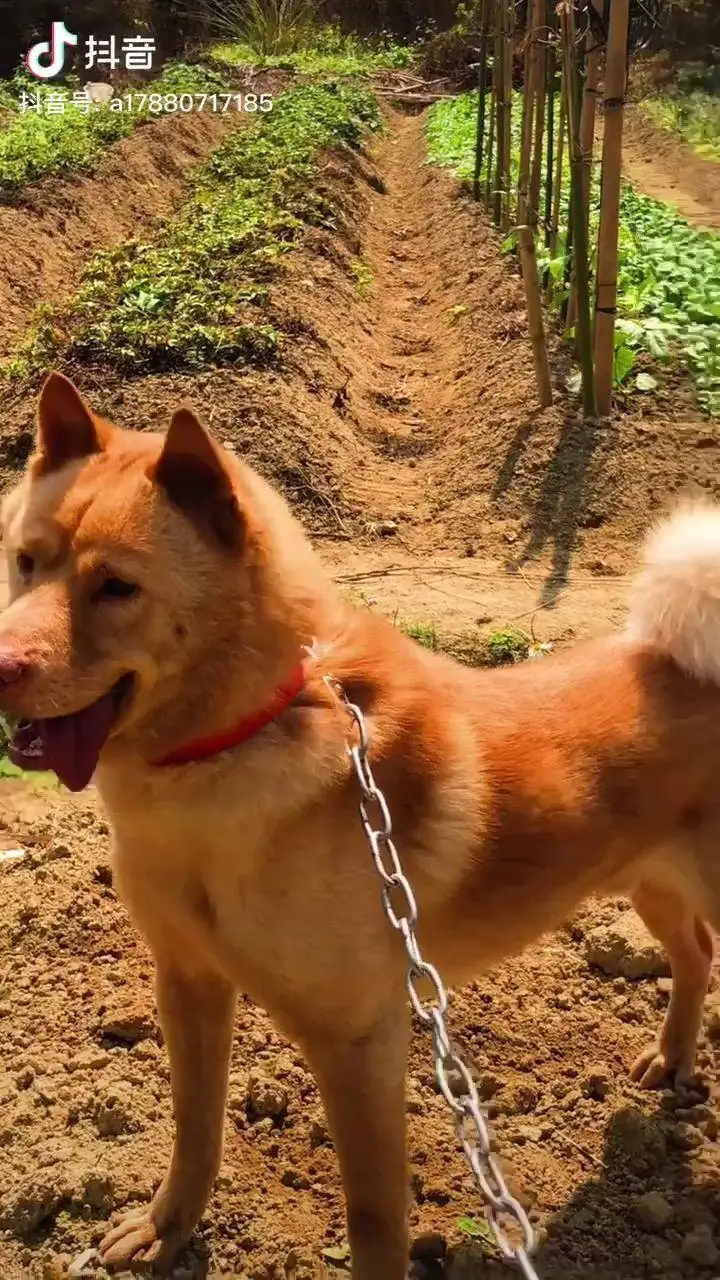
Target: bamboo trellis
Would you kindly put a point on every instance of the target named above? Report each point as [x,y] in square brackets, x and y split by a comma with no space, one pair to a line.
[549,187]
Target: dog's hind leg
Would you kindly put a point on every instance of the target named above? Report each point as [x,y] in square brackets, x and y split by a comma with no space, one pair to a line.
[196,1015]
[362,1082]
[669,915]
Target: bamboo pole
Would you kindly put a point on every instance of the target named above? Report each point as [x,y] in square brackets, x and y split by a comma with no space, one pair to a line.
[568,264]
[482,96]
[550,148]
[489,168]
[589,111]
[578,87]
[523,186]
[570,303]
[558,175]
[607,254]
[541,31]
[579,230]
[590,82]
[508,15]
[526,243]
[499,87]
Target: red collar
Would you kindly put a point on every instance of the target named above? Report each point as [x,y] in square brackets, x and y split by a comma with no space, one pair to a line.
[204,748]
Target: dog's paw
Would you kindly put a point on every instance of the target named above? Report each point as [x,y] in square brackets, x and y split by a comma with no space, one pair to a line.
[138,1237]
[657,1066]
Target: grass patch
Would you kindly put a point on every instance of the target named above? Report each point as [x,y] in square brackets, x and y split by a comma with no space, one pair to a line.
[695,118]
[41,779]
[501,648]
[363,276]
[196,296]
[268,26]
[669,280]
[33,144]
[480,1232]
[5,735]
[423,633]
[507,646]
[10,770]
[329,52]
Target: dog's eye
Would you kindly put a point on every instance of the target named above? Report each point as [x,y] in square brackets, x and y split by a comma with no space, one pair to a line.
[25,564]
[116,589]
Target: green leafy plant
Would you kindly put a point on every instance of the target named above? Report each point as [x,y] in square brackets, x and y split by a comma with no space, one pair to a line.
[363,275]
[480,1231]
[7,768]
[330,51]
[424,633]
[266,26]
[471,647]
[339,1254]
[506,646]
[623,358]
[198,294]
[34,143]
[669,291]
[5,735]
[190,77]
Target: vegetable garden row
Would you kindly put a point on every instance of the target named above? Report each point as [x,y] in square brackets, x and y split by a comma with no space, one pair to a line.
[196,294]
[669,274]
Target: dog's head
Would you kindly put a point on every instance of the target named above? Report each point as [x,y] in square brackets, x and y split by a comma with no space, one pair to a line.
[146,573]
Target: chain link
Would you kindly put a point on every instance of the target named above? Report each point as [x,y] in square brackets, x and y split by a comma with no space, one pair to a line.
[401,910]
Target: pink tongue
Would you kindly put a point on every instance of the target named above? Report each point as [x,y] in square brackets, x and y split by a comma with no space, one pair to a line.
[70,746]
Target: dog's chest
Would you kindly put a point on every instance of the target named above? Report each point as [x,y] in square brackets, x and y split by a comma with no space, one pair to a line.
[279,908]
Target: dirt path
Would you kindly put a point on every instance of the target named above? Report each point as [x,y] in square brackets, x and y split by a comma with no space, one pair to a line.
[417,349]
[515,514]
[662,166]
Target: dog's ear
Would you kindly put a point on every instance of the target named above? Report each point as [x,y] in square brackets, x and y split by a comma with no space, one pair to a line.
[193,473]
[67,430]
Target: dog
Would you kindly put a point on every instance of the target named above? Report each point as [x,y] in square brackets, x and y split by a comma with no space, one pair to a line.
[169,632]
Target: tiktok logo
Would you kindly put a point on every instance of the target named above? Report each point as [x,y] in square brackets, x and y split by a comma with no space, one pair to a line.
[54,48]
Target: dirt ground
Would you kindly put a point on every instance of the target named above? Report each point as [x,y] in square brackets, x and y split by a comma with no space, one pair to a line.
[403,427]
[86,1124]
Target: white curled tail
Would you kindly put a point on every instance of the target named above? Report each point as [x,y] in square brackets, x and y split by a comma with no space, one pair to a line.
[675,603]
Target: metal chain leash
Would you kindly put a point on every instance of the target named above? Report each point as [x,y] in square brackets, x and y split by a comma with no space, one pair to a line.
[470,1123]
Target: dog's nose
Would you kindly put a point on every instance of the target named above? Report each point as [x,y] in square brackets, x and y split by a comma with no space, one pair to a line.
[12,667]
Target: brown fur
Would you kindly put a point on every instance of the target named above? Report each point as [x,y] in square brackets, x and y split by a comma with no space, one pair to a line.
[514,794]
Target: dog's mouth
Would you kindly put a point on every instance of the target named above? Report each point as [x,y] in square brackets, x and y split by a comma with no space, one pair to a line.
[70,745]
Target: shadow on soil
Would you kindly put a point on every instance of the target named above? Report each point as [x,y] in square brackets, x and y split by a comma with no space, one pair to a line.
[561,509]
[598,1235]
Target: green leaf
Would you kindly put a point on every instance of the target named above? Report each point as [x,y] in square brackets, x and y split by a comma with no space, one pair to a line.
[623,361]
[655,343]
[645,382]
[632,330]
[556,267]
[337,1253]
[477,1229]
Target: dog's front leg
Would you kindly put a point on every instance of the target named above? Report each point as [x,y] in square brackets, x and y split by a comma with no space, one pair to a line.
[362,1082]
[196,1015]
